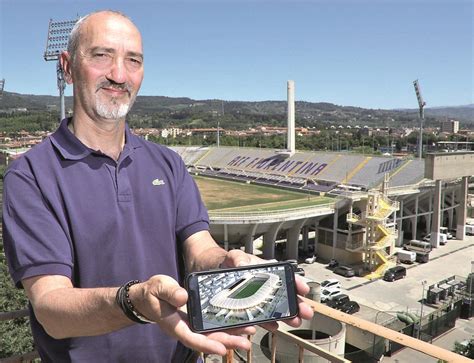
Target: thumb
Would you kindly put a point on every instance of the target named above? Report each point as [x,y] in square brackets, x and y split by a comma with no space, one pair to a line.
[170,292]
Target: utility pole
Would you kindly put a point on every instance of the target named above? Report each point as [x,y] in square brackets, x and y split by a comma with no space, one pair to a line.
[421,105]
[423,284]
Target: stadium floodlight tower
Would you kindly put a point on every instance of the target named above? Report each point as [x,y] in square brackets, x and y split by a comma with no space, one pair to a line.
[58,37]
[2,85]
[421,105]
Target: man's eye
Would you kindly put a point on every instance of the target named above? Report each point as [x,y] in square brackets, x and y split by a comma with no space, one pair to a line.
[135,60]
[133,64]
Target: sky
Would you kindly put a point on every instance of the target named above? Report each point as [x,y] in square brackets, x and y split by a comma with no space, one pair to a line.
[363,53]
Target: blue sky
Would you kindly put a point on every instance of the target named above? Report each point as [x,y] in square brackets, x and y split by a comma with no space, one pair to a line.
[354,53]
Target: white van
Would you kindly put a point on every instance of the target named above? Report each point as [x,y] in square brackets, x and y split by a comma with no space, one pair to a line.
[443,238]
[406,256]
[445,230]
[417,246]
[469,230]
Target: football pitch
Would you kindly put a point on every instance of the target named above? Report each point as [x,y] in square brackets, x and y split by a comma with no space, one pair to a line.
[228,195]
[251,288]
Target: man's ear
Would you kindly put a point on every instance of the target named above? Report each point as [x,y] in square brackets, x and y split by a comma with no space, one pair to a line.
[66,64]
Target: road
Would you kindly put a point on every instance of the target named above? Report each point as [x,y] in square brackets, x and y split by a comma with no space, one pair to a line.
[455,258]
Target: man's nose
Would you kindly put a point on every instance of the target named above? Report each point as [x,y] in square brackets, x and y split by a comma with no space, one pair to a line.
[118,72]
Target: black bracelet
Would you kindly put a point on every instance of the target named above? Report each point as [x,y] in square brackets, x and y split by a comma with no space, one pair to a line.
[123,300]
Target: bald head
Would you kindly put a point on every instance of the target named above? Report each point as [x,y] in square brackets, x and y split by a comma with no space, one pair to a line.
[93,19]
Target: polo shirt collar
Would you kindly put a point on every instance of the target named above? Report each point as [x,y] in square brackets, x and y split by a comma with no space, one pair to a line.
[71,148]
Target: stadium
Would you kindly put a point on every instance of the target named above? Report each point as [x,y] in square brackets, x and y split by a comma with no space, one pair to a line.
[245,299]
[351,207]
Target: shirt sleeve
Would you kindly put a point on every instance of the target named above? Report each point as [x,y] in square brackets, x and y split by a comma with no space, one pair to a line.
[191,214]
[35,242]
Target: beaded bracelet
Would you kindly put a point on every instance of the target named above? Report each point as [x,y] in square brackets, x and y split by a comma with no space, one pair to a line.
[123,300]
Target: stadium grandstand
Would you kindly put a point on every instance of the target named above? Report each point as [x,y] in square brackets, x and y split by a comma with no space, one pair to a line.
[371,203]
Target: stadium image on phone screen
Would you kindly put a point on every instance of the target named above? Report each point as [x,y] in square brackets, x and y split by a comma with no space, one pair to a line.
[243,296]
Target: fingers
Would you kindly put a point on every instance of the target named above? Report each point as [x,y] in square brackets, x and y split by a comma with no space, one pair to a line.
[302,287]
[272,326]
[158,297]
[294,322]
[210,343]
[235,258]
[306,312]
[247,330]
[231,341]
[168,289]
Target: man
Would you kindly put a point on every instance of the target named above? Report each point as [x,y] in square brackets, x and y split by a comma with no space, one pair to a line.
[93,207]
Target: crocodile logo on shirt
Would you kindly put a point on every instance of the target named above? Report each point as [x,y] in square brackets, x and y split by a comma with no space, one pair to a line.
[157,182]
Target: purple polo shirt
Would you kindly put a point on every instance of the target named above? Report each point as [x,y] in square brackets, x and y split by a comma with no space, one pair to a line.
[69,210]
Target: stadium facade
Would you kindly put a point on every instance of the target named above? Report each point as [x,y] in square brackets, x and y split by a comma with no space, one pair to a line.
[379,201]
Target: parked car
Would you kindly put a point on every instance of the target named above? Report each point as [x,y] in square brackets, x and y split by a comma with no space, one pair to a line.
[422,257]
[310,259]
[470,230]
[345,271]
[327,294]
[443,238]
[350,307]
[293,263]
[299,271]
[447,232]
[417,246]
[395,273]
[337,301]
[331,284]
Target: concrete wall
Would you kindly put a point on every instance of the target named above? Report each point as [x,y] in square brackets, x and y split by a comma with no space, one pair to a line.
[442,166]
[335,343]
[343,256]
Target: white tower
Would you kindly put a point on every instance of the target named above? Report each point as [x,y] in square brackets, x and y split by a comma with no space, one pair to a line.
[291,118]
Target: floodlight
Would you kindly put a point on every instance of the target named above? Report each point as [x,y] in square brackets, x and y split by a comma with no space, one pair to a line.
[421,104]
[58,38]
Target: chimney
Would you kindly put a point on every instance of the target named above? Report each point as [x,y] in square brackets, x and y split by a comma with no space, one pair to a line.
[291,118]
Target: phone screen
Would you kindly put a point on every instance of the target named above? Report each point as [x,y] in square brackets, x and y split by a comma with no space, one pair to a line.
[249,295]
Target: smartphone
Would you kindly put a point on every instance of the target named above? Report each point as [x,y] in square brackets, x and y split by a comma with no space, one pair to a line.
[240,296]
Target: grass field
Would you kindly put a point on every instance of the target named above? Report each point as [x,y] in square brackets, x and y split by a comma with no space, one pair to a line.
[226,195]
[251,288]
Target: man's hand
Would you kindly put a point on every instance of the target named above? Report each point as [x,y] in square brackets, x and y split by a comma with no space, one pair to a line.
[236,258]
[161,299]
[203,253]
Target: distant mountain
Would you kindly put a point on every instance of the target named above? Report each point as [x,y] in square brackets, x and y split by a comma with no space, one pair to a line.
[161,110]
[461,113]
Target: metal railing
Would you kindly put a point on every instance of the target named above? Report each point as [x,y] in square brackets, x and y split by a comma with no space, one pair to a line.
[367,326]
[235,215]
[304,345]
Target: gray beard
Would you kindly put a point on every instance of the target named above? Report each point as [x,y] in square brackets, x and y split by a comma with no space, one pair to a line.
[114,111]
